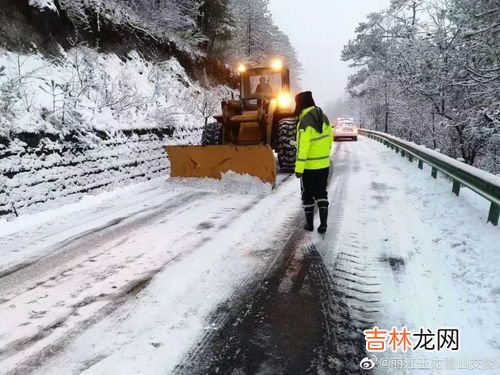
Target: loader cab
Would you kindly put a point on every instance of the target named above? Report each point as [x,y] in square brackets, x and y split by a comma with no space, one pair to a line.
[272,82]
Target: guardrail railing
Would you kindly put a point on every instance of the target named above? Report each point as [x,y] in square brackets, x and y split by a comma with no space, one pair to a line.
[483,183]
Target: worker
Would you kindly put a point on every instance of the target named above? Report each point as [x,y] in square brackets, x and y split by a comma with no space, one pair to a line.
[263,87]
[312,165]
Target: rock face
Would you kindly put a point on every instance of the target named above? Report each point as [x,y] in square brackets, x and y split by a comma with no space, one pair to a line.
[39,168]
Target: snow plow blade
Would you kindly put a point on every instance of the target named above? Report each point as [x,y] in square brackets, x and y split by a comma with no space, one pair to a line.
[213,161]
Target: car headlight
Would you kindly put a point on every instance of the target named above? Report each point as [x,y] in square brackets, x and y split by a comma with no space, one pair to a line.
[284,100]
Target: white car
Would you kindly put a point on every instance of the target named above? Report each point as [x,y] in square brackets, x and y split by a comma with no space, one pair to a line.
[345,130]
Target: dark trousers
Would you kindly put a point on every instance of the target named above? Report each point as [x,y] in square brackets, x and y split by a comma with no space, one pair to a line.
[314,183]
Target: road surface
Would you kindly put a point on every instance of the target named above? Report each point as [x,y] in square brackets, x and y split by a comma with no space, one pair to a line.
[193,277]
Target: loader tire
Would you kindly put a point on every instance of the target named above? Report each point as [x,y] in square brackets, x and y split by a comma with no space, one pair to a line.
[287,144]
[212,134]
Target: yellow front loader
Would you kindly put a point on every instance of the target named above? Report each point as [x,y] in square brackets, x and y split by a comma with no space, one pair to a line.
[244,136]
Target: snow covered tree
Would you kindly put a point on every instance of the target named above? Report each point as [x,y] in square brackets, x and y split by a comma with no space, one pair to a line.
[256,38]
[216,22]
[421,63]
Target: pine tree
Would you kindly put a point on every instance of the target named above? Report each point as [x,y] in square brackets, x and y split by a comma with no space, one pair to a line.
[216,22]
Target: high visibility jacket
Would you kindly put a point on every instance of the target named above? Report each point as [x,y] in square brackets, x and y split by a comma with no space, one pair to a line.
[314,140]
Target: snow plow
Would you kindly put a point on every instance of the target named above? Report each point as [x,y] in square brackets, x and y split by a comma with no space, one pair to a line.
[243,137]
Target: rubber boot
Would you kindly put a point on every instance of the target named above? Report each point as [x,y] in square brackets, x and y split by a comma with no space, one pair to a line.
[309,221]
[323,217]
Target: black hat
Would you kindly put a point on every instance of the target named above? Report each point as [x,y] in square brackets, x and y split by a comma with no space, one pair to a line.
[303,100]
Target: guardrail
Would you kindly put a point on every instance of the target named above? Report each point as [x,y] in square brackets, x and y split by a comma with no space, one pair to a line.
[483,183]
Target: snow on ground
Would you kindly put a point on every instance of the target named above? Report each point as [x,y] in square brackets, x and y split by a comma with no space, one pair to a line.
[126,285]
[30,237]
[433,254]
[94,211]
[192,243]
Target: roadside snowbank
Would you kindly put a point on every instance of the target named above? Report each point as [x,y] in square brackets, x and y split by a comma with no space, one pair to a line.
[231,183]
[476,172]
[35,219]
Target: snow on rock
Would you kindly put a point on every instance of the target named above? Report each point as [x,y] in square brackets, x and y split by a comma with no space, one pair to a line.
[43,5]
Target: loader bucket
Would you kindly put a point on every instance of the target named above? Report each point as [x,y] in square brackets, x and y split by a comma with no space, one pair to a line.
[212,161]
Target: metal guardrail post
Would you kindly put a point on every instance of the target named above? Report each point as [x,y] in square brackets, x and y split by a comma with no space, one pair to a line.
[434,172]
[456,187]
[420,164]
[494,213]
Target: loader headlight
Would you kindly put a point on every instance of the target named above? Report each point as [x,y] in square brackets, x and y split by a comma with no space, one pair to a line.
[285,100]
[242,68]
[277,64]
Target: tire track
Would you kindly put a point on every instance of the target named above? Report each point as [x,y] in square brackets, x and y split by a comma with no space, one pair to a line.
[82,244]
[111,301]
[217,350]
[295,320]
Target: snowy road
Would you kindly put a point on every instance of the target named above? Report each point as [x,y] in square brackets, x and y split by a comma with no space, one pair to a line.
[183,276]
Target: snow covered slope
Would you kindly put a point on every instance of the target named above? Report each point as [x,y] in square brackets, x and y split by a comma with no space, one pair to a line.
[88,120]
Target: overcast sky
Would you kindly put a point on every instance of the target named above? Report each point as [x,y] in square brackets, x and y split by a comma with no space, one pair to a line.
[318,29]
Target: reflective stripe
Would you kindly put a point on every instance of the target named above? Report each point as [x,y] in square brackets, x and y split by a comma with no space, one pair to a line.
[319,138]
[302,159]
[308,205]
[323,203]
[319,158]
